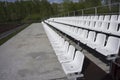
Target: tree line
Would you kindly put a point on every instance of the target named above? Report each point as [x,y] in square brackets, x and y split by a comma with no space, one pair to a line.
[29,10]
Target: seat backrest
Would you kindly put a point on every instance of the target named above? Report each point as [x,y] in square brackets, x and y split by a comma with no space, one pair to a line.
[79,60]
[100,39]
[104,26]
[113,44]
[84,33]
[101,17]
[72,29]
[75,30]
[88,17]
[113,18]
[91,36]
[98,25]
[83,23]
[119,27]
[79,31]
[86,24]
[92,24]
[85,17]
[95,18]
[107,18]
[62,41]
[92,17]
[119,18]
[71,51]
[66,45]
[113,26]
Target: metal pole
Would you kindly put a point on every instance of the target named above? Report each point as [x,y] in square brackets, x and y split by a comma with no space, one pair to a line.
[95,10]
[68,13]
[119,8]
[82,12]
[109,4]
[74,13]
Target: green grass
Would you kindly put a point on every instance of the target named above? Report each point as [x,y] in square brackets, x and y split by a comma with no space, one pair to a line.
[3,40]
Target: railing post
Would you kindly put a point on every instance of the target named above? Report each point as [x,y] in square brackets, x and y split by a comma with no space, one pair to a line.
[109,5]
[119,8]
[95,10]
[74,13]
[82,12]
[68,13]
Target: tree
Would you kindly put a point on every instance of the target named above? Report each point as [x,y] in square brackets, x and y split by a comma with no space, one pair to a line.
[92,3]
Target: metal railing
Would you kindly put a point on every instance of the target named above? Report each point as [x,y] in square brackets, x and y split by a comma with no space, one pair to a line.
[113,8]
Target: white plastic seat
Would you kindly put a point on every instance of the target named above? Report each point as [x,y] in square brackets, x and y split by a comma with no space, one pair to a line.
[99,42]
[75,31]
[78,34]
[101,17]
[84,17]
[113,18]
[97,25]
[74,66]
[104,27]
[113,27]
[63,50]
[111,48]
[118,31]
[118,18]
[92,25]
[107,18]
[59,44]
[88,17]
[54,39]
[90,38]
[87,23]
[95,18]
[83,35]
[68,56]
[81,24]
[92,17]
[80,31]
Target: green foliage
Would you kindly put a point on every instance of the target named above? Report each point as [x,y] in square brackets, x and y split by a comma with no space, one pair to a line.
[22,10]
[32,18]
[55,7]
[33,10]
[69,6]
[92,3]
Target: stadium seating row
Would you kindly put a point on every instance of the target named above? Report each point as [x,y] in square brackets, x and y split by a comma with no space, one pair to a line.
[70,59]
[104,44]
[107,24]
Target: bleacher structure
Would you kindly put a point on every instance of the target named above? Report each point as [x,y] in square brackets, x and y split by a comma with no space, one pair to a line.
[99,33]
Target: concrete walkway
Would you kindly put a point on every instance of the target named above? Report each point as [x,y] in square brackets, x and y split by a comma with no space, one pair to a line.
[29,56]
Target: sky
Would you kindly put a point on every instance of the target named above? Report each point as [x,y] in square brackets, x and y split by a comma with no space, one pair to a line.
[51,1]
[56,1]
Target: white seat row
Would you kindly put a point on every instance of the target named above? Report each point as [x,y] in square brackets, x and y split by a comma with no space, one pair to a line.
[101,18]
[105,45]
[71,60]
[106,24]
